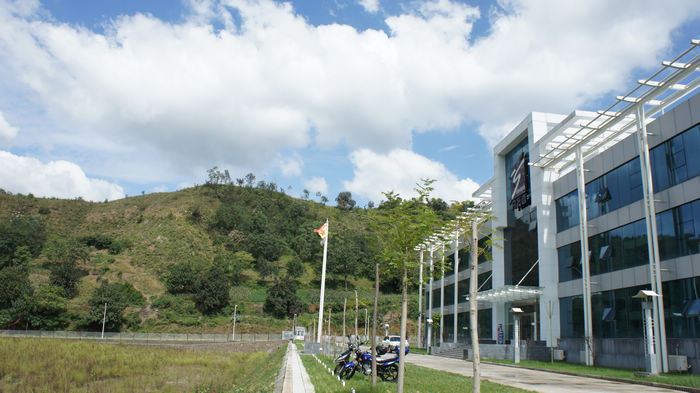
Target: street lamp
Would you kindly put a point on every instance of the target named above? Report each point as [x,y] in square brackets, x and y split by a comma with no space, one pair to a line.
[651,365]
[430,333]
[516,333]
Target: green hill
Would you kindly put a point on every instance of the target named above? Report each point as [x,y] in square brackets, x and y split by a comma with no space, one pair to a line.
[180,261]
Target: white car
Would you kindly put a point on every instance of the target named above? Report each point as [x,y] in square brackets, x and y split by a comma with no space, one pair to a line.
[393,341]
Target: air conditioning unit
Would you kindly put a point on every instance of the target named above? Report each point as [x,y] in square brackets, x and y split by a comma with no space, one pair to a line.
[677,363]
[558,354]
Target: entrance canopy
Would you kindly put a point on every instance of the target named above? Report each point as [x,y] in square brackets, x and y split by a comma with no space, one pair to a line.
[508,293]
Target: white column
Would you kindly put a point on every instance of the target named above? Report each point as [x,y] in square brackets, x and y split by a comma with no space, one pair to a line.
[585,260]
[516,338]
[420,299]
[652,240]
[442,296]
[456,275]
[430,297]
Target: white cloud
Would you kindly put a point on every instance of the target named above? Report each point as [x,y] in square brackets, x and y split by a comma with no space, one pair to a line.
[317,184]
[61,179]
[186,95]
[399,171]
[371,6]
[292,165]
[7,132]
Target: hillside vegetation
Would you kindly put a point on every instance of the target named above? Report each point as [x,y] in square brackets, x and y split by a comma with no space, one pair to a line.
[180,261]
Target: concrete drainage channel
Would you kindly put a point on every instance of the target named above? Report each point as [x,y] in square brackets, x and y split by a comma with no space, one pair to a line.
[330,371]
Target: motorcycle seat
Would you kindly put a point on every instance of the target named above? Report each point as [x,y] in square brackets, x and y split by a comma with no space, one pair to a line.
[387,357]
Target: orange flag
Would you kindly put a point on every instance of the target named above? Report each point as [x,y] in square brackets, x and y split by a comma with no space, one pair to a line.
[323,230]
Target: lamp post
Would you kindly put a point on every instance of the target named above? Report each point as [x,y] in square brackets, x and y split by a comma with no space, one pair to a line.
[516,333]
[430,333]
[651,361]
[233,334]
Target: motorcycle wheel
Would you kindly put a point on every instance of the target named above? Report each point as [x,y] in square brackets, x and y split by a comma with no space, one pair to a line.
[347,373]
[389,373]
[338,369]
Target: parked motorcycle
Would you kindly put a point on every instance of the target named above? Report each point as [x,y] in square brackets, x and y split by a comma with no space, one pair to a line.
[344,358]
[387,364]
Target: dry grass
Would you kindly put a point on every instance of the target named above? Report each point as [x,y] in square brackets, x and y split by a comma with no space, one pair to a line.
[44,365]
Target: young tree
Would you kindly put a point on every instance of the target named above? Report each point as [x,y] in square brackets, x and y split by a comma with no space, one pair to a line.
[400,226]
[344,200]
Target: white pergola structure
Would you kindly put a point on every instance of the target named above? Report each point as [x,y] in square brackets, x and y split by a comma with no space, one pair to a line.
[452,231]
[584,135]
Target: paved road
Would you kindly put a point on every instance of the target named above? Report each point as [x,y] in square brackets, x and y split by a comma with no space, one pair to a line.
[539,381]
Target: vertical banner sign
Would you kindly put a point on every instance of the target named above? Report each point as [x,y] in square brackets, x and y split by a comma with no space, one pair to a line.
[520,183]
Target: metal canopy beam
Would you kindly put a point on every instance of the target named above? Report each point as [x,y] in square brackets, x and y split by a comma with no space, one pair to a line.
[617,121]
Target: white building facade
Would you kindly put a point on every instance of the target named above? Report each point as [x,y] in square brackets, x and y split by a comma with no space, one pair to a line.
[638,165]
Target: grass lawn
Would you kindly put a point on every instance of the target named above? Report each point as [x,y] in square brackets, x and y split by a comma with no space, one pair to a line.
[418,379]
[690,380]
[47,365]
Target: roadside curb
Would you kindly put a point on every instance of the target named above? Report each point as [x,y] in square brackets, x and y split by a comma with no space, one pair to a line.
[613,379]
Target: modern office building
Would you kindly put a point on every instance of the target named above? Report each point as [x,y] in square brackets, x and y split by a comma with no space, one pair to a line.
[638,165]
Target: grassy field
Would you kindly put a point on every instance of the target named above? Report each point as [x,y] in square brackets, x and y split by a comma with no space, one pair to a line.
[45,365]
[418,379]
[690,380]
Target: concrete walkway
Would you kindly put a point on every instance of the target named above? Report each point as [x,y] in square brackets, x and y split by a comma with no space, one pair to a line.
[296,379]
[535,380]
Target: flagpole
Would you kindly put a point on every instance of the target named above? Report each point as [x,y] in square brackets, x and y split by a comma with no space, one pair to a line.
[323,284]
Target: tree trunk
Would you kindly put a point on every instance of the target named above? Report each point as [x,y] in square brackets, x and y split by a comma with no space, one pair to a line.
[404,317]
[374,325]
[473,315]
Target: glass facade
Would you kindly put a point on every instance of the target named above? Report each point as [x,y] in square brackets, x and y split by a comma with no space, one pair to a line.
[672,163]
[617,315]
[626,246]
[484,282]
[520,236]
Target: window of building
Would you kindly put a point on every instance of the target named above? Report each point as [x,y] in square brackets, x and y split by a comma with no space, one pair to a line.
[672,163]
[626,246]
[617,315]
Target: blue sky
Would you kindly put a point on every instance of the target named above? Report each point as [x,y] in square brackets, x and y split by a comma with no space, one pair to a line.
[102,99]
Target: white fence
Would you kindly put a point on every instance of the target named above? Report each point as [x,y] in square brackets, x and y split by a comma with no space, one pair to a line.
[142,337]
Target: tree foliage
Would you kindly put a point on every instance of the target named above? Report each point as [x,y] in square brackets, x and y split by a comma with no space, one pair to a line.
[22,231]
[212,291]
[66,274]
[350,255]
[282,300]
[344,201]
[117,298]
[182,277]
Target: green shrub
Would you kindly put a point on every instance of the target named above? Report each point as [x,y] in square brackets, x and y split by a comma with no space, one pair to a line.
[182,277]
[212,291]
